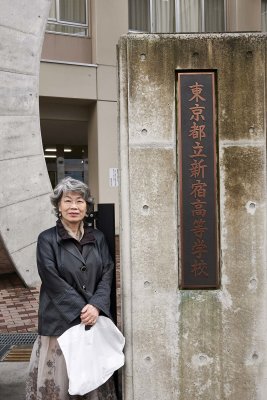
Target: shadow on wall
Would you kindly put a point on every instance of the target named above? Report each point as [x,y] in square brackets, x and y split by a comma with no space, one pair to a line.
[6,266]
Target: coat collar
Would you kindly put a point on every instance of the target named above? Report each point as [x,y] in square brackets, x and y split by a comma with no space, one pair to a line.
[68,242]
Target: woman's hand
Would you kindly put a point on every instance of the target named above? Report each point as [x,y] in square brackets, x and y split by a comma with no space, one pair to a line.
[89,314]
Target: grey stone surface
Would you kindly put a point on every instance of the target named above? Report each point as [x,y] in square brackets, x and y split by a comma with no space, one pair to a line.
[193,344]
[24,203]
[25,58]
[25,16]
[23,221]
[18,138]
[24,260]
[12,380]
[31,170]
[18,94]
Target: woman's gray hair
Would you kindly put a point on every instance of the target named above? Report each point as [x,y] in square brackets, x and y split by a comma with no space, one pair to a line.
[69,184]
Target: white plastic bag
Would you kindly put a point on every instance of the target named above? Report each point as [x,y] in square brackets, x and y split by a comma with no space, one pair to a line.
[91,355]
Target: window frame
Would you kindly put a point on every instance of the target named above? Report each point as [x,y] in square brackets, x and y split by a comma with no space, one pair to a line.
[177,6]
[203,22]
[150,22]
[262,18]
[225,17]
[59,22]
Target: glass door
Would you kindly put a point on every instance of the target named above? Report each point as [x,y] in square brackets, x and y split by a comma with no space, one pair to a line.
[62,161]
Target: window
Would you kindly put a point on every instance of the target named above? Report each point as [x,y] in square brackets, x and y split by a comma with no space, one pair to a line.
[139,15]
[151,15]
[68,17]
[264,15]
[214,12]
[163,15]
[201,16]
[177,16]
[189,18]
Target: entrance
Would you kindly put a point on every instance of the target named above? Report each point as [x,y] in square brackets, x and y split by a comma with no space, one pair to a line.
[64,160]
[65,128]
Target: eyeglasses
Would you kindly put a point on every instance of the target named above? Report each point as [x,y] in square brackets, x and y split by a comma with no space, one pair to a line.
[78,203]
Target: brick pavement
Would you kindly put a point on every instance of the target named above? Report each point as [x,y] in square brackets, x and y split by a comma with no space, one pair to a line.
[19,304]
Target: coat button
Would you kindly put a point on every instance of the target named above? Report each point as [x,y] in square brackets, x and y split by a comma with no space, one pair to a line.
[84,287]
[83,268]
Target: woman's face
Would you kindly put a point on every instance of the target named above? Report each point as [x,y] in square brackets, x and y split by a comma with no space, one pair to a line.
[72,207]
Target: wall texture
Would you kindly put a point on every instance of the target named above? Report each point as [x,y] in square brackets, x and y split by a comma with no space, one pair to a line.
[193,344]
[24,203]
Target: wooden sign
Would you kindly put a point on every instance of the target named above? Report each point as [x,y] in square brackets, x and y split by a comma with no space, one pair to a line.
[197,180]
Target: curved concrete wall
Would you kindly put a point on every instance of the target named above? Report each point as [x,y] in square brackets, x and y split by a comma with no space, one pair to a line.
[25,209]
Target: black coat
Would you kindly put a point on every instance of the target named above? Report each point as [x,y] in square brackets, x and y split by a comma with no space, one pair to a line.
[71,278]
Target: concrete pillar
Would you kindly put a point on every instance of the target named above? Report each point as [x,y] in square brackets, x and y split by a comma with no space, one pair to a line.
[108,155]
[106,30]
[192,344]
[24,203]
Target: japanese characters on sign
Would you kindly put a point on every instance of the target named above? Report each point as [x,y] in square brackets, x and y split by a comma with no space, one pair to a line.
[197,180]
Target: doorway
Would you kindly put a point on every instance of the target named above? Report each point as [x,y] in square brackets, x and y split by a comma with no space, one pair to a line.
[66,160]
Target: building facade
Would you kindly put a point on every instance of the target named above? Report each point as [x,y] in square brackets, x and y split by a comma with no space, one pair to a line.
[78,95]
[78,79]
[77,113]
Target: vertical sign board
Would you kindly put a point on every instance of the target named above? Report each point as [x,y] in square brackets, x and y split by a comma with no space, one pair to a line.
[197,179]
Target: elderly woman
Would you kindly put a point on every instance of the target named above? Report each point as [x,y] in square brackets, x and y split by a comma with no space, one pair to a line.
[76,272]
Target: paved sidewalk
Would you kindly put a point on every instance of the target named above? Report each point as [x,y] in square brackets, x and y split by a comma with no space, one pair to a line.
[18,305]
[12,380]
[18,314]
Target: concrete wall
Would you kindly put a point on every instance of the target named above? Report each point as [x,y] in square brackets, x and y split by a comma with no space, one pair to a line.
[81,81]
[107,27]
[67,48]
[193,344]
[24,204]
[109,22]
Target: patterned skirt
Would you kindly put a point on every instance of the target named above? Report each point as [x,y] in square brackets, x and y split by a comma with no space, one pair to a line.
[48,380]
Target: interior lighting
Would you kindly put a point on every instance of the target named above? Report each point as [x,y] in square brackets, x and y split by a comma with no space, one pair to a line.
[50,156]
[67,150]
[51,149]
